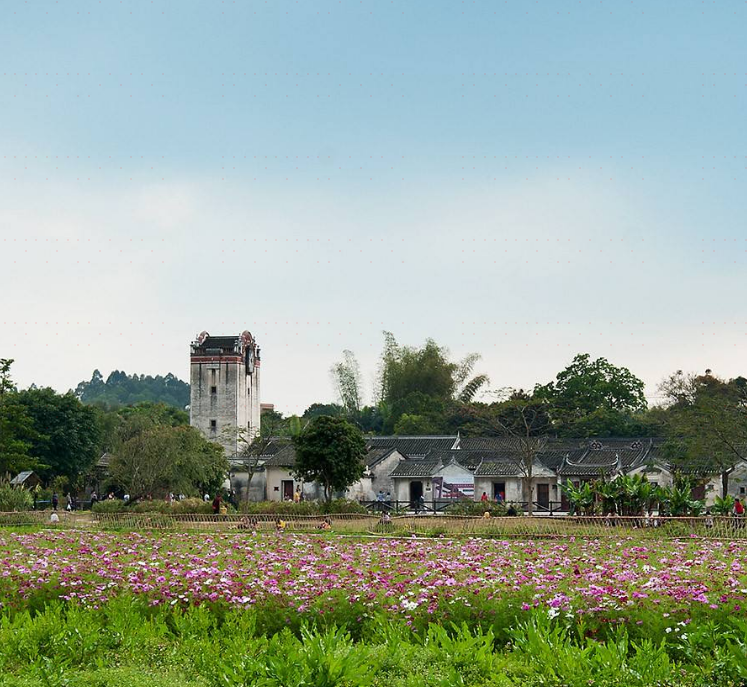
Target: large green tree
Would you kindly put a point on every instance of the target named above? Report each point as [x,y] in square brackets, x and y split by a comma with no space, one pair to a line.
[423,381]
[164,458]
[330,451]
[68,432]
[593,398]
[706,421]
[16,427]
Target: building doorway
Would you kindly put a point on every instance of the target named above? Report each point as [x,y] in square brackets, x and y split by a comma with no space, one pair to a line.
[543,496]
[416,491]
[699,492]
[499,492]
[287,489]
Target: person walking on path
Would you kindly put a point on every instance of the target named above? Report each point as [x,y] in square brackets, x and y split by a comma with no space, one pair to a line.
[216,504]
[55,501]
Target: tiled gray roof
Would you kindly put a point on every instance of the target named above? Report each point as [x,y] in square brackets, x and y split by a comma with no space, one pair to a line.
[598,461]
[275,445]
[467,459]
[284,458]
[413,446]
[498,468]
[376,455]
[416,468]
[227,344]
[552,458]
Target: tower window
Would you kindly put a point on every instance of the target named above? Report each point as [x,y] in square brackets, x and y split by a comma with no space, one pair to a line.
[213,425]
[213,390]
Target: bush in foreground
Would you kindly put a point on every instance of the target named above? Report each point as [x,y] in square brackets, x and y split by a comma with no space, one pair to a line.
[127,643]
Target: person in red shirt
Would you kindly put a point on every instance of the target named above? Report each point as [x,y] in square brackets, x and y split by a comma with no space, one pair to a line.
[738,507]
[484,496]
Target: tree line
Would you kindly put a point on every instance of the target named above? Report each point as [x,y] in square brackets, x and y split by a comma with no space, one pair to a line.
[421,390]
[417,390]
[151,445]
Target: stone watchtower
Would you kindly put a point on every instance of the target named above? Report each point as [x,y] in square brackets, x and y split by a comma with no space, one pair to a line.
[224,389]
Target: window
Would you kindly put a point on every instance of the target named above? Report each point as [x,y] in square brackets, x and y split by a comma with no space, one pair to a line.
[213,425]
[213,390]
[741,490]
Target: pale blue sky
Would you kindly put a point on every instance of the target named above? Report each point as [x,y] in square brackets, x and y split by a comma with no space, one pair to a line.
[523,179]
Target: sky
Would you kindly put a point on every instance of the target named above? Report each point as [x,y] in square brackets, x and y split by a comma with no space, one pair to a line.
[524,179]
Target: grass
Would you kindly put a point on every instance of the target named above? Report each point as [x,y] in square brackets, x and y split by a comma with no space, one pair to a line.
[128,644]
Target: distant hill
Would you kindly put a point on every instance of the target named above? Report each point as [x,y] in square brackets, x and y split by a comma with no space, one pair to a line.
[121,389]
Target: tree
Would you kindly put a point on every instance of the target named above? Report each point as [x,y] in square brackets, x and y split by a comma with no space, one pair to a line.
[415,425]
[16,427]
[330,451]
[346,376]
[593,397]
[316,409]
[706,418]
[68,432]
[163,458]
[411,377]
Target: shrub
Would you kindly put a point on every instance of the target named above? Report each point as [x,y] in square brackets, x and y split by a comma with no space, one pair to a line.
[14,498]
[302,508]
[476,508]
[192,505]
[150,507]
[110,506]
[280,508]
[343,506]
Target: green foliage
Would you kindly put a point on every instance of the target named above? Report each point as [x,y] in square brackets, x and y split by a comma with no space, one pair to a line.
[164,458]
[126,643]
[631,495]
[476,508]
[422,381]
[16,427]
[580,497]
[110,506]
[121,389]
[329,450]
[68,433]
[706,422]
[191,505]
[14,498]
[592,397]
[317,409]
[346,377]
[413,425]
[723,505]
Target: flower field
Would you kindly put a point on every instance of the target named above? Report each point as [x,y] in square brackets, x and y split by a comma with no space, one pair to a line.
[653,596]
[404,577]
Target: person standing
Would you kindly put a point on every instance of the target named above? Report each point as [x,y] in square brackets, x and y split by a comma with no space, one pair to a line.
[297,495]
[55,501]
[484,497]
[216,504]
[739,512]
